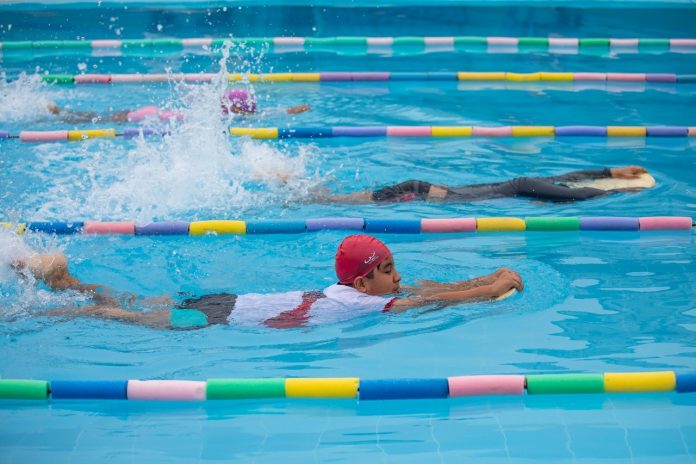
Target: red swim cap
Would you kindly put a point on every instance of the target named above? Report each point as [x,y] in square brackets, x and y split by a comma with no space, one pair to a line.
[357,255]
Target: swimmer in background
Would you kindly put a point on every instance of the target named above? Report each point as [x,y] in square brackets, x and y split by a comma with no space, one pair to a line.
[565,187]
[367,282]
[236,101]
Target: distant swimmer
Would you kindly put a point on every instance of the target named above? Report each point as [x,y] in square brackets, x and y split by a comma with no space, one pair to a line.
[368,282]
[572,186]
[235,101]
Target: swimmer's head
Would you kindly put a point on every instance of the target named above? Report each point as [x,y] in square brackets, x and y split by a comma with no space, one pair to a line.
[367,265]
[238,101]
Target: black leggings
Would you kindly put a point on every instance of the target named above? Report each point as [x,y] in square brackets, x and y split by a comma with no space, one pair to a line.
[542,188]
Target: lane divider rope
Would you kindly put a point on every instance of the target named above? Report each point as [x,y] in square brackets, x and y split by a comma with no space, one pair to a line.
[349,388]
[377,76]
[368,131]
[367,225]
[359,44]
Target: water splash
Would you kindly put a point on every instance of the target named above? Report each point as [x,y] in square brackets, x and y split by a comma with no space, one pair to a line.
[20,293]
[25,98]
[196,171]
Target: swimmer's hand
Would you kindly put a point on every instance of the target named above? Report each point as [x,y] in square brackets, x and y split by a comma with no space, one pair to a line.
[53,108]
[298,109]
[628,172]
[505,279]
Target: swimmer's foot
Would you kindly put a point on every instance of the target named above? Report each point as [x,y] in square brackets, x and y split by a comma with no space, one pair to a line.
[50,268]
[298,109]
[53,108]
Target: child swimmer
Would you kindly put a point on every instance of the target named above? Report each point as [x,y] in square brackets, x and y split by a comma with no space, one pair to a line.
[235,101]
[367,282]
[571,186]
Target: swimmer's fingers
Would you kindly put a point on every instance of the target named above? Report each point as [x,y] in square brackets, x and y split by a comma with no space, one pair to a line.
[513,279]
[519,285]
[628,172]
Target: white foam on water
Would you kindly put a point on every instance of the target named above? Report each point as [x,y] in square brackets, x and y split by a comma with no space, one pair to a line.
[198,171]
[26,98]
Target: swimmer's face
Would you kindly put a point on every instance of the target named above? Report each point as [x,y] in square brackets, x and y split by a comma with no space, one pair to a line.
[385,279]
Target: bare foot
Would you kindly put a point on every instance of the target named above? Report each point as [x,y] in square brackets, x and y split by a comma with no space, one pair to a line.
[53,108]
[51,268]
[436,193]
[298,109]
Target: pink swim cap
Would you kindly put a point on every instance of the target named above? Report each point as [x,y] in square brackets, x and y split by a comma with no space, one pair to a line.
[238,101]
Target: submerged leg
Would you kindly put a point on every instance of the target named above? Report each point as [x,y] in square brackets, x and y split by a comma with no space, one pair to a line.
[159,319]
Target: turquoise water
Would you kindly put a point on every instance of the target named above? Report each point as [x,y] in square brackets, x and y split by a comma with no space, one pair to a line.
[593,302]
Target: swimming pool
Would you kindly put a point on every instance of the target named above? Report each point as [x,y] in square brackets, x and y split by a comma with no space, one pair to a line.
[594,301]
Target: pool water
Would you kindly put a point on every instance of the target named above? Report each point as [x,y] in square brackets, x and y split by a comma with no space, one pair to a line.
[594,301]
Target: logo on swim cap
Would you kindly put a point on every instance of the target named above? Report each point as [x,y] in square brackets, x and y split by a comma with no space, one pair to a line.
[357,255]
[370,259]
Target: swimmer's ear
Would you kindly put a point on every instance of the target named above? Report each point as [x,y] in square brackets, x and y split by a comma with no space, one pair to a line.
[359,284]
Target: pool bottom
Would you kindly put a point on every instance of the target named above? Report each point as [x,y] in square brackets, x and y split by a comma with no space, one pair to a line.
[642,428]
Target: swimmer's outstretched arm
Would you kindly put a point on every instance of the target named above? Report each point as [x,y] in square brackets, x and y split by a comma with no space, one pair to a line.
[497,284]
[426,288]
[626,172]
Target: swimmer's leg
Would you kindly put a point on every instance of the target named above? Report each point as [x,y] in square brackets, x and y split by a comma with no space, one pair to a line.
[158,319]
[324,196]
[119,116]
[410,190]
